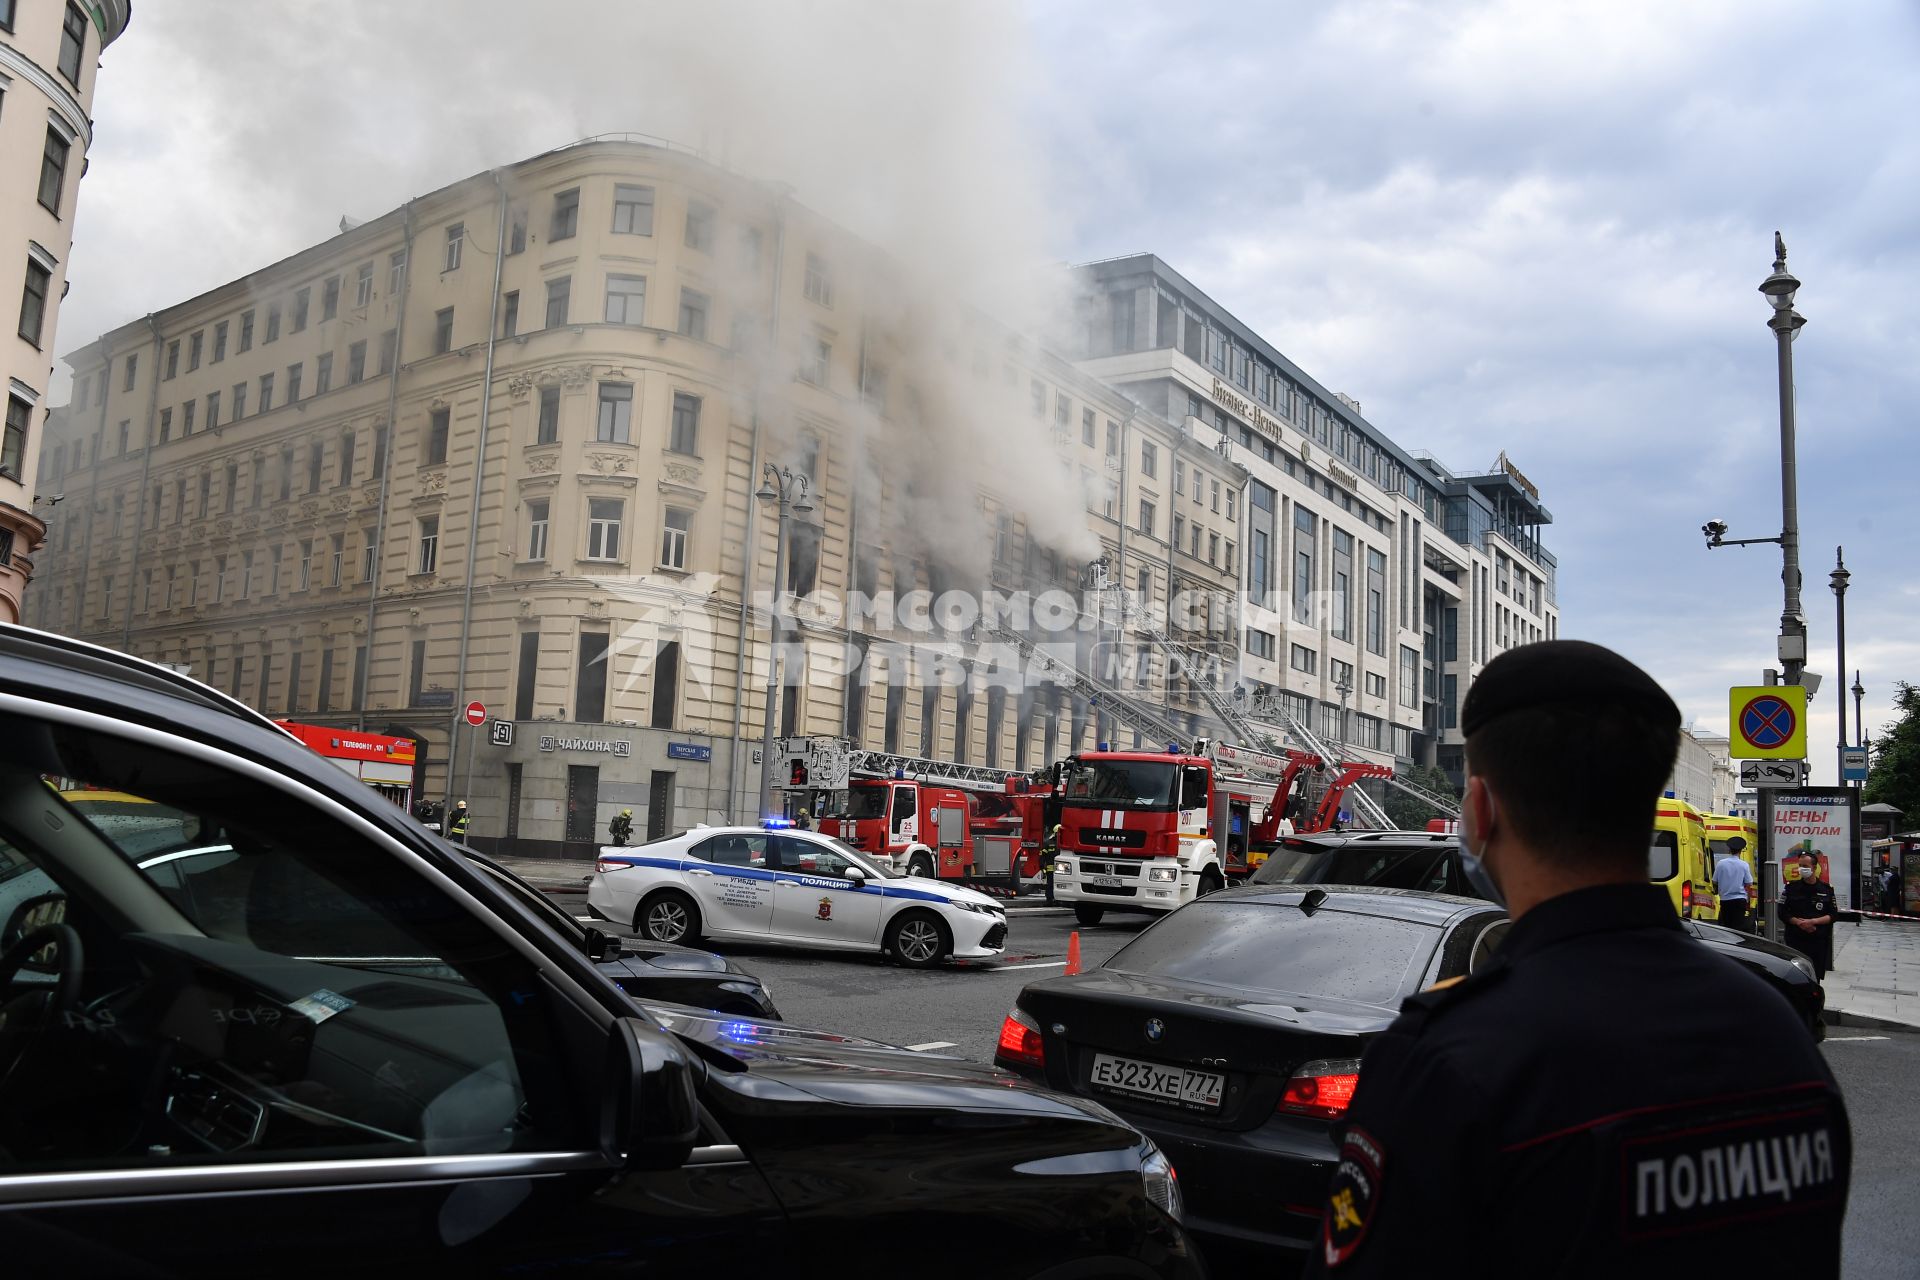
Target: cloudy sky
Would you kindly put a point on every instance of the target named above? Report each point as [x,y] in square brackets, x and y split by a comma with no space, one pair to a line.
[1498,225]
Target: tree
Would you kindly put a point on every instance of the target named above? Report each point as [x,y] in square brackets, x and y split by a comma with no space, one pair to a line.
[1895,774]
[1409,812]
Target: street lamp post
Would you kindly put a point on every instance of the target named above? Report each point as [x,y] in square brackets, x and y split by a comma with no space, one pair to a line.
[788,493]
[1343,687]
[1838,580]
[1785,322]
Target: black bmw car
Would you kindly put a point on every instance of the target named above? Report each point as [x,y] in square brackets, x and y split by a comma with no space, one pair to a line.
[1231,1031]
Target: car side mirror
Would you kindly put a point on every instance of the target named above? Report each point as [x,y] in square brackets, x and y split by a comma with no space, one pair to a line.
[596,944]
[649,1113]
[856,875]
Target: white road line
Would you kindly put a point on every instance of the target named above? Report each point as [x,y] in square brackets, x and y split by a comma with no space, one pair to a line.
[1845,1039]
[933,1044]
[1045,964]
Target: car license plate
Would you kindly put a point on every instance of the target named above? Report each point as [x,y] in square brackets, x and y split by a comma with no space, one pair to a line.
[1179,1085]
[1110,882]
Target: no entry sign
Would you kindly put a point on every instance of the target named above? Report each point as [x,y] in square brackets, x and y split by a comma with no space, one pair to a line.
[476,714]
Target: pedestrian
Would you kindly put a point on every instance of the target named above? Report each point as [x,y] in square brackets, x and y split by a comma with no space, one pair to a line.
[620,827]
[1604,1096]
[457,829]
[1733,880]
[1889,890]
[1807,909]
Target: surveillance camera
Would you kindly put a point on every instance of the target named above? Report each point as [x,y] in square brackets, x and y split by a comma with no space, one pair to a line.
[1715,530]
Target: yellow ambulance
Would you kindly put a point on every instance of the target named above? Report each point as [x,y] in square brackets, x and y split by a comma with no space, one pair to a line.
[1677,858]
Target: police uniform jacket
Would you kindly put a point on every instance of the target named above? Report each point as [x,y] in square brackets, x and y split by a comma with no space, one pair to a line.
[1809,900]
[1605,1098]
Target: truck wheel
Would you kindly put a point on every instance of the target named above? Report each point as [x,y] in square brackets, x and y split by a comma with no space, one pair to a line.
[921,864]
[1210,882]
[1088,914]
[667,916]
[918,939]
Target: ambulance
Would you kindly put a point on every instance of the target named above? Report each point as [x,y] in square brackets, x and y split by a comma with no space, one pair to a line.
[1677,857]
[1722,827]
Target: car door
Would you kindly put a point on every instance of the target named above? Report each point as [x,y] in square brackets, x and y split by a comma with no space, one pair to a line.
[814,900]
[732,879]
[305,1045]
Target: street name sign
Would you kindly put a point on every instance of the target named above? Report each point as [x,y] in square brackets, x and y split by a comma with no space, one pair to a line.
[1769,722]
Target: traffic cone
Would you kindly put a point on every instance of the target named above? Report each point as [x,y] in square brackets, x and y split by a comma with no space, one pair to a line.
[1073,952]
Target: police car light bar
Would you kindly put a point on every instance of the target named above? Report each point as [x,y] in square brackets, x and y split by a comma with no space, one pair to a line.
[777,824]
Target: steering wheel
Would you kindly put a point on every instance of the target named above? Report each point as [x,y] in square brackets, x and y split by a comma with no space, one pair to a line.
[25,1017]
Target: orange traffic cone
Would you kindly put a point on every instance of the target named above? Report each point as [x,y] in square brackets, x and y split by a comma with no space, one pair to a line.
[1073,952]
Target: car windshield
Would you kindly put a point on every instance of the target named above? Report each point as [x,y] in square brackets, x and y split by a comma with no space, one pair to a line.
[866,802]
[1276,949]
[873,869]
[1423,868]
[1137,783]
[1284,865]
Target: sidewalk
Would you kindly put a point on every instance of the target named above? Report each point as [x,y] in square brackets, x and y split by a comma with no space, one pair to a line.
[1875,979]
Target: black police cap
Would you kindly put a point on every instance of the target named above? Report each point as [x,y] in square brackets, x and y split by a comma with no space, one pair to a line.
[1563,673]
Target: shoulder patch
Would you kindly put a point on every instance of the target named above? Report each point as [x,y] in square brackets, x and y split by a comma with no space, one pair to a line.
[1353,1197]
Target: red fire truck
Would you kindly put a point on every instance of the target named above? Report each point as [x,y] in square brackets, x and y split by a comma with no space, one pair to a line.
[1153,830]
[383,763]
[924,817]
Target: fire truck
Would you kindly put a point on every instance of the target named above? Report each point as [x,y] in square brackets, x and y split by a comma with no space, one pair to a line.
[924,817]
[382,762]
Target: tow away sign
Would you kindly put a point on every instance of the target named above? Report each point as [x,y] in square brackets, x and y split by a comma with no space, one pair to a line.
[1773,773]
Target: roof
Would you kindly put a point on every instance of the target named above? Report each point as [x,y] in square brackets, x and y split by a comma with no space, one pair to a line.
[1367,900]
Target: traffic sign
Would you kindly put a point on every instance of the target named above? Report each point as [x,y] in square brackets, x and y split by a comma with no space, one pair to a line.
[1773,773]
[1853,764]
[1769,722]
[502,733]
[476,714]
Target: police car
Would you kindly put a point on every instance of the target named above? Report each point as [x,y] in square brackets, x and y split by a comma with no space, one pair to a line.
[790,886]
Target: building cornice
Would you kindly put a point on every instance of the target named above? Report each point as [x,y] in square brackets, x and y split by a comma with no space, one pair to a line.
[64,103]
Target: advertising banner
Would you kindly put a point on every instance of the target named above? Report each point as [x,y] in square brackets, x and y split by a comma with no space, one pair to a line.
[1823,821]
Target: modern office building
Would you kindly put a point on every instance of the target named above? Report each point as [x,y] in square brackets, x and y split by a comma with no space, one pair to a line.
[48,63]
[502,445]
[1377,582]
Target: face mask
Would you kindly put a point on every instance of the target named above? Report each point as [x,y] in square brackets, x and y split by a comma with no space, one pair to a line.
[1473,866]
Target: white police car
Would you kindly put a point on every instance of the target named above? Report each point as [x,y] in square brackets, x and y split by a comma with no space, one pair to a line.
[790,886]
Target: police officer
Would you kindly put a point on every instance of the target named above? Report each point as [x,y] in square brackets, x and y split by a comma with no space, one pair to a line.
[1605,1097]
[1734,882]
[620,827]
[457,829]
[1807,909]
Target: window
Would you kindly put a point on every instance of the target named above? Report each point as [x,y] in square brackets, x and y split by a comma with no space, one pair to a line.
[429,543]
[347,440]
[626,300]
[13,447]
[33,301]
[1342,603]
[818,285]
[166,425]
[330,298]
[666,684]
[273,324]
[1113,439]
[133,365]
[259,475]
[439,425]
[443,331]
[1261,644]
[388,341]
[819,356]
[547,427]
[302,298]
[417,673]
[673,538]
[186,417]
[73,44]
[685,437]
[369,555]
[1146,516]
[1086,427]
[266,392]
[537,528]
[1196,542]
[1409,676]
[246,575]
[1213,547]
[700,226]
[220,342]
[632,211]
[1180,479]
[1216,495]
[1303,659]
[1149,458]
[305,579]
[379,452]
[213,409]
[357,362]
[566,215]
[1179,527]
[173,360]
[1377,603]
[516,232]
[195,345]
[338,556]
[510,313]
[316,459]
[603,528]
[693,314]
[286,472]
[396,271]
[614,425]
[53,169]
[363,285]
[559,295]
[1304,526]
[323,374]
[294,373]
[126,427]
[273,582]
[1376,685]
[1231,495]
[456,244]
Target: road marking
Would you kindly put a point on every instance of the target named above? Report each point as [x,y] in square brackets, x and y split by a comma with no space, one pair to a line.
[1845,1039]
[1049,964]
[934,1044]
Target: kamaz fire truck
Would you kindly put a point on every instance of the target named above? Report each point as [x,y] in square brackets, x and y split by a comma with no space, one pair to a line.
[924,817]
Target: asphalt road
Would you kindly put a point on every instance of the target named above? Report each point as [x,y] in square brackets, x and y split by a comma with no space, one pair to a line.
[958,1010]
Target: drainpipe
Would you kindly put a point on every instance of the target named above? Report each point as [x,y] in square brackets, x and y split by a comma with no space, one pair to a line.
[93,497]
[473,519]
[385,460]
[146,471]
[750,538]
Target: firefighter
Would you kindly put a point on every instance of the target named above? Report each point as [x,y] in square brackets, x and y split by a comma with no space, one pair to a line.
[1605,1096]
[621,827]
[803,820]
[457,829]
[1049,850]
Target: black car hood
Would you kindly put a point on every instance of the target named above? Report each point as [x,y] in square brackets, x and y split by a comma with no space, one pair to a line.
[772,1059]
[639,962]
[1323,1014]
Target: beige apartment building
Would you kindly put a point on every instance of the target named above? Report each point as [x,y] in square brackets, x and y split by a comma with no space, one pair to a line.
[48,64]
[502,445]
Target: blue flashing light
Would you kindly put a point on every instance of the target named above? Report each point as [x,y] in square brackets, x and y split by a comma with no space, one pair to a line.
[1667,794]
[740,1032]
[899,774]
[777,824]
[1106,746]
[1173,748]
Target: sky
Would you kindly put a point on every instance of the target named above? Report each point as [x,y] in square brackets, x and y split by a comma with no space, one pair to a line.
[1499,225]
